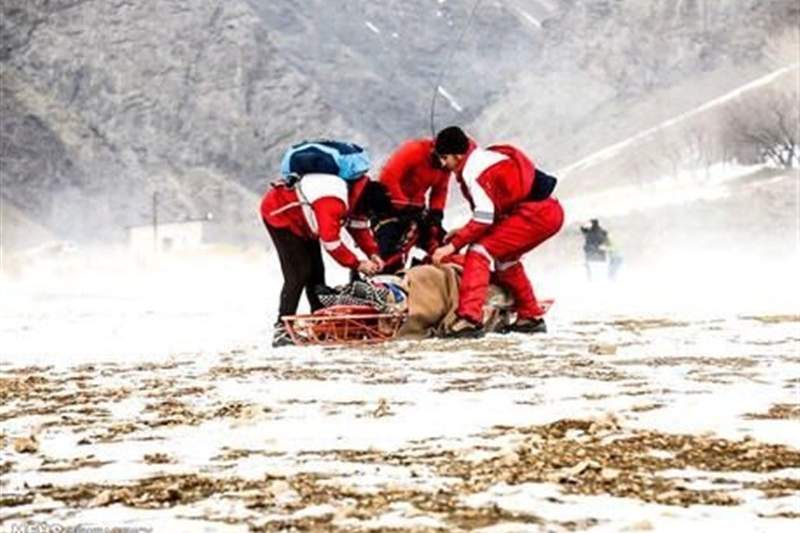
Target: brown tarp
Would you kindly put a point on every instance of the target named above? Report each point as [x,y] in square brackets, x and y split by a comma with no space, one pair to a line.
[433,300]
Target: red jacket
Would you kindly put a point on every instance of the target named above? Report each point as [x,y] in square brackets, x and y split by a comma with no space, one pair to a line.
[408,175]
[494,181]
[324,209]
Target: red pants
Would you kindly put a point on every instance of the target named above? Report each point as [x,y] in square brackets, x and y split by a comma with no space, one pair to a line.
[522,230]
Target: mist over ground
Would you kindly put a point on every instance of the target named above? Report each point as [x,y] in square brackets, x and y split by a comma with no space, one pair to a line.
[138,384]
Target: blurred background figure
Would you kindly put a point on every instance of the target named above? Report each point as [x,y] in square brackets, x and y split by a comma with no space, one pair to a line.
[598,248]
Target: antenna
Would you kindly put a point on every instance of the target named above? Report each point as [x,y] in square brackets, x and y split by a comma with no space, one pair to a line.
[447,64]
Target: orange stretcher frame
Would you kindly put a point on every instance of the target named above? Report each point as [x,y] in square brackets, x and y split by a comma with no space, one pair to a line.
[343,324]
[351,325]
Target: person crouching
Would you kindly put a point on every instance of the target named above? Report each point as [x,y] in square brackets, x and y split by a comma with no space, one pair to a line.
[301,216]
[513,212]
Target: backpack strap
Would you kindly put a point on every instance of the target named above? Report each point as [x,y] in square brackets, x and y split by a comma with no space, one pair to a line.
[309,189]
[312,187]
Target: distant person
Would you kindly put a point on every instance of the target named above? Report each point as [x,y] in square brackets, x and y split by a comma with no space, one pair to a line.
[598,248]
[300,214]
[412,173]
[595,238]
[513,212]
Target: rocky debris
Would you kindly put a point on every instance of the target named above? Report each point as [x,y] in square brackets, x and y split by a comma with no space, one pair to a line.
[626,465]
[700,360]
[790,515]
[773,319]
[234,454]
[383,409]
[603,455]
[776,487]
[295,496]
[151,493]
[603,349]
[570,474]
[112,433]
[636,325]
[157,458]
[104,498]
[646,407]
[73,400]
[466,384]
[781,411]
[274,372]
[240,410]
[444,503]
[15,500]
[24,388]
[170,407]
[67,465]
[26,444]
[608,423]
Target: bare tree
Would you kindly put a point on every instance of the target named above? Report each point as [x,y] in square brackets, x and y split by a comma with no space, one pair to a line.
[766,124]
[701,148]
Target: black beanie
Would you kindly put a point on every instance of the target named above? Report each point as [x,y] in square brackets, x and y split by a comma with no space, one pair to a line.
[374,200]
[452,140]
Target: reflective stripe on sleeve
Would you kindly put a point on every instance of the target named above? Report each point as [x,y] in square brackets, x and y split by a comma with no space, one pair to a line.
[358,224]
[500,265]
[484,217]
[479,249]
[331,245]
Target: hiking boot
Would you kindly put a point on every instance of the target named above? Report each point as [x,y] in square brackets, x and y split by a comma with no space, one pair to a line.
[464,329]
[527,325]
[281,337]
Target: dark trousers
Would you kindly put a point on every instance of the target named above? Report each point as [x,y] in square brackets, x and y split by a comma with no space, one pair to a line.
[302,267]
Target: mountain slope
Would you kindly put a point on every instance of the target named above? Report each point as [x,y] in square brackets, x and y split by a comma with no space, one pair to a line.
[107,102]
[379,61]
[611,69]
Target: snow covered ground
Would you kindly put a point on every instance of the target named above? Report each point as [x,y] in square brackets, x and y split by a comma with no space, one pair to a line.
[147,396]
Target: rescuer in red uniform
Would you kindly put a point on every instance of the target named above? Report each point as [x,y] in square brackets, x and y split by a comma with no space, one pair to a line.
[313,211]
[410,174]
[512,213]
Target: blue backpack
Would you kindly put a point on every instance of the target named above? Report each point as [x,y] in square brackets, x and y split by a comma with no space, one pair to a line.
[349,161]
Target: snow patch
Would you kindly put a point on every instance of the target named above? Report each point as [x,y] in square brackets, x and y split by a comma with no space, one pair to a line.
[450,100]
[372,27]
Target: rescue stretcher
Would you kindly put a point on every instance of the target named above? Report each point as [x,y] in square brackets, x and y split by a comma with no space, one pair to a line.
[343,324]
[350,325]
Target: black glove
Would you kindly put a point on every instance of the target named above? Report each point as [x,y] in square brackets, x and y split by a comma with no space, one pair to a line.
[433,217]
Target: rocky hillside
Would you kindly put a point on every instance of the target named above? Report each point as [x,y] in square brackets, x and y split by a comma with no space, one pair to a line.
[610,69]
[379,61]
[104,103]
